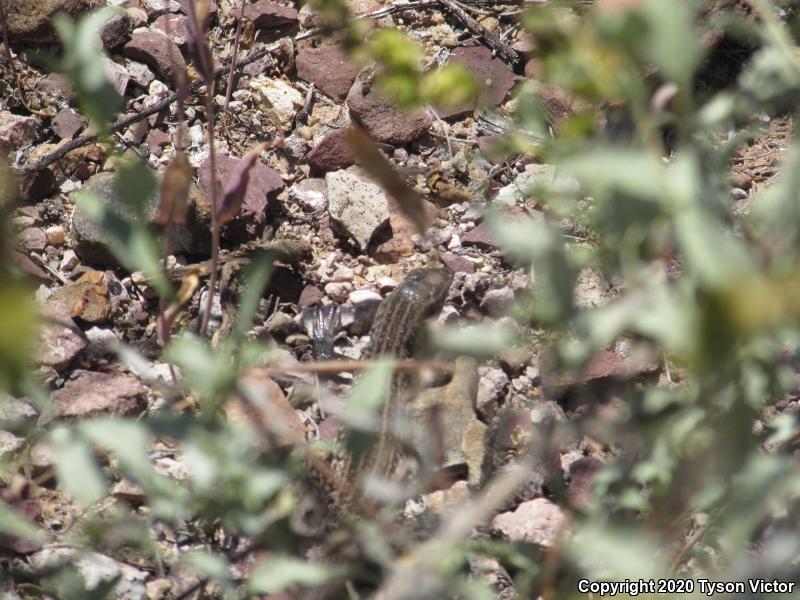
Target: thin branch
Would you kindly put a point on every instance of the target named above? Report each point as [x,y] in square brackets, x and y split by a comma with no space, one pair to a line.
[237,40]
[501,48]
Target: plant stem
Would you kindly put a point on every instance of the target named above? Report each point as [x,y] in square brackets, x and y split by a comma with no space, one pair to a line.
[235,56]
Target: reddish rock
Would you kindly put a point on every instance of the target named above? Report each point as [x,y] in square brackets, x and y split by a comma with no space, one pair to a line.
[58,343]
[55,85]
[458,264]
[36,185]
[16,131]
[158,51]
[741,180]
[31,20]
[602,366]
[310,296]
[67,123]
[176,27]
[266,408]
[26,265]
[400,241]
[331,154]
[31,510]
[582,474]
[329,68]
[491,148]
[479,236]
[329,429]
[156,140]
[94,393]
[85,299]
[493,76]
[33,238]
[263,185]
[380,118]
[537,521]
[270,15]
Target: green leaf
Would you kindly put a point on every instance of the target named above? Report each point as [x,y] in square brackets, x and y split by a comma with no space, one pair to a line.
[368,395]
[76,468]
[83,63]
[131,242]
[210,373]
[277,573]
[15,524]
[475,340]
[673,42]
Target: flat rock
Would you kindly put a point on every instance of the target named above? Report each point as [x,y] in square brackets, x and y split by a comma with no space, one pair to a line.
[58,343]
[33,238]
[68,123]
[30,20]
[54,84]
[93,393]
[262,187]
[269,15]
[26,265]
[537,521]
[458,264]
[381,119]
[493,76]
[331,154]
[278,99]
[117,75]
[176,27]
[357,208]
[85,299]
[16,131]
[329,68]
[158,51]
[480,236]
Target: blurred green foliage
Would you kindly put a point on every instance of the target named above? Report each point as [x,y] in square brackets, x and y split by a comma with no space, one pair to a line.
[710,293]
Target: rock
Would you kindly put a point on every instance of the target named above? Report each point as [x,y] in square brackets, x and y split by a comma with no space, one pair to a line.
[69,261]
[365,306]
[158,7]
[140,74]
[331,154]
[67,123]
[262,188]
[498,302]
[54,84]
[117,75]
[458,264]
[266,408]
[90,241]
[28,508]
[156,140]
[329,68]
[582,474]
[535,176]
[116,31]
[479,236]
[537,521]
[26,265]
[176,27]
[278,99]
[310,296]
[92,393]
[338,290]
[401,234]
[58,343]
[310,193]
[491,385]
[269,15]
[295,147]
[742,181]
[493,76]
[381,119]
[15,410]
[33,239]
[158,51]
[30,20]
[443,423]
[357,208]
[441,501]
[9,443]
[85,299]
[16,132]
[603,365]
[36,185]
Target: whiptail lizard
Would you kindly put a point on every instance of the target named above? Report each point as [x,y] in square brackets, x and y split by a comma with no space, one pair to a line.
[394,334]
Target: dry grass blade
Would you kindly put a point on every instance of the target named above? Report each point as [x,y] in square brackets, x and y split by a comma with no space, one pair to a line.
[189,285]
[370,157]
[174,202]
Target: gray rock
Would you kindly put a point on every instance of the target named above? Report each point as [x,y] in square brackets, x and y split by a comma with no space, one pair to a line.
[67,123]
[498,302]
[93,393]
[357,208]
[91,242]
[33,238]
[493,381]
[117,76]
[9,443]
[365,305]
[59,343]
[14,409]
[30,20]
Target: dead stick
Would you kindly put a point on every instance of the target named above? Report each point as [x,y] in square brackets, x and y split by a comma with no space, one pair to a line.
[503,50]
